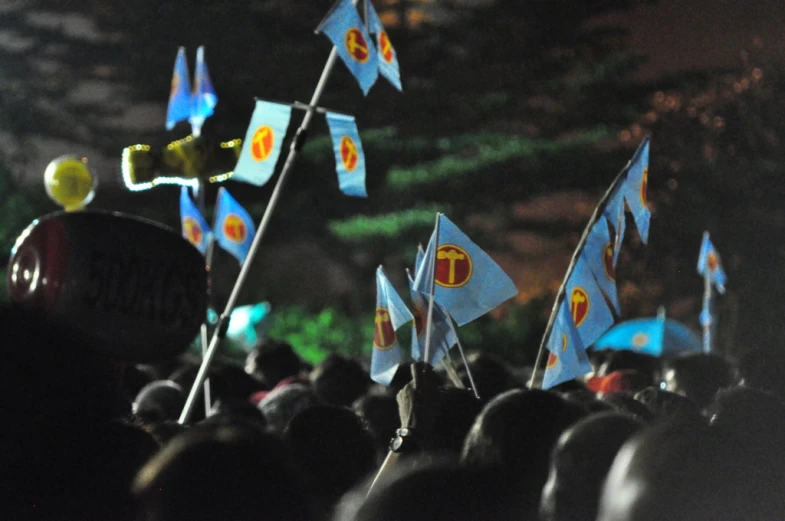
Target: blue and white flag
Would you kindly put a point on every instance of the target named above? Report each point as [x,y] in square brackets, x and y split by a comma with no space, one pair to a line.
[636,187]
[234,228]
[349,155]
[710,265]
[179,108]
[566,355]
[203,99]
[391,314]
[617,218]
[468,282]
[443,335]
[195,228]
[590,313]
[598,252]
[387,58]
[262,144]
[346,30]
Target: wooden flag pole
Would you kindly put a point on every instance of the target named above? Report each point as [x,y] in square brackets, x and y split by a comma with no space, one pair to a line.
[223,321]
[578,249]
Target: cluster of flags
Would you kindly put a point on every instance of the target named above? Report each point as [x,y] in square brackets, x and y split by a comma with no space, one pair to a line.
[465,284]
[590,290]
[233,228]
[185,104]
[264,138]
[352,40]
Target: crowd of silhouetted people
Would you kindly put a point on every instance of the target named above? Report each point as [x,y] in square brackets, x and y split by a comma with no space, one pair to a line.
[87,437]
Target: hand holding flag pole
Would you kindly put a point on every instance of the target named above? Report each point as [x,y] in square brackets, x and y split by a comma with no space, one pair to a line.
[598,212]
[223,321]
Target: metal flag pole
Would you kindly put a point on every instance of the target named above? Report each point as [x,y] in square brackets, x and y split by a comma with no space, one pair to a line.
[223,321]
[463,357]
[706,318]
[581,243]
[431,290]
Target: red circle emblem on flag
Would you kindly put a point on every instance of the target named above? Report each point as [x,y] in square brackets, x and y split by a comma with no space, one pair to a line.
[386,47]
[711,260]
[552,361]
[644,185]
[419,321]
[383,331]
[453,266]
[356,45]
[349,155]
[607,262]
[175,84]
[234,228]
[262,143]
[579,305]
[193,231]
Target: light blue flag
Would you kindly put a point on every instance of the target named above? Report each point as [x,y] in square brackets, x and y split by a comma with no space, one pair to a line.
[468,282]
[179,108]
[346,30]
[203,99]
[262,144]
[349,155]
[234,228]
[598,252]
[710,265]
[636,187]
[443,335]
[386,56]
[195,228]
[391,314]
[566,355]
[642,335]
[614,212]
[589,311]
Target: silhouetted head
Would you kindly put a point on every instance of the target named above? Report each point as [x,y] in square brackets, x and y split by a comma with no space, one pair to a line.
[456,412]
[283,404]
[229,473]
[338,380]
[647,367]
[625,403]
[665,404]
[580,461]
[332,449]
[379,412]
[159,401]
[441,492]
[227,412]
[515,434]
[698,376]
[272,361]
[763,369]
[690,472]
[491,375]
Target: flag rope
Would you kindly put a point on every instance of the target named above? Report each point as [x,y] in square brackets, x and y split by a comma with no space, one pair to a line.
[223,321]
[578,249]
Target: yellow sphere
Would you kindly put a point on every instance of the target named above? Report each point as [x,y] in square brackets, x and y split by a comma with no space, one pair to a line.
[69,182]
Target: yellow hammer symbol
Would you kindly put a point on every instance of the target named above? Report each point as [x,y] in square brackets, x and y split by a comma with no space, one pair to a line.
[577,298]
[353,45]
[259,138]
[451,256]
[381,318]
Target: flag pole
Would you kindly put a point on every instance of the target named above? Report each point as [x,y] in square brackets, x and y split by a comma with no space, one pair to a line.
[223,321]
[581,243]
[706,315]
[430,293]
[463,357]
[199,190]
